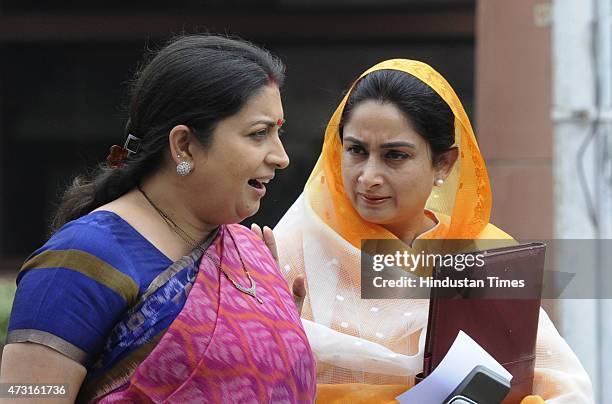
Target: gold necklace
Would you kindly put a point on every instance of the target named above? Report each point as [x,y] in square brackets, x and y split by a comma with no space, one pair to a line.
[190,241]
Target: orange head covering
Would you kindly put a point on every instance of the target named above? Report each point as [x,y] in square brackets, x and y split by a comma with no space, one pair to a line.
[465,197]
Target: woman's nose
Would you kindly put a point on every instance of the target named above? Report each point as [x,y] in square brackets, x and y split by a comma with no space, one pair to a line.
[278,156]
[370,176]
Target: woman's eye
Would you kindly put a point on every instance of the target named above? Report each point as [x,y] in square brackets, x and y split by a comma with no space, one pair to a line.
[260,133]
[396,155]
[355,149]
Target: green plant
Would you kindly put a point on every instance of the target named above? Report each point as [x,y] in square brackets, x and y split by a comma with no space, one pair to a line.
[7,293]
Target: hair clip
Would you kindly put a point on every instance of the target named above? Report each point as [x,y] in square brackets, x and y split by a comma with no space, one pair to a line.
[118,154]
[132,144]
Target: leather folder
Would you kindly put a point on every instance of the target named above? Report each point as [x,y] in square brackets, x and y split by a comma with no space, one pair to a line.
[504,321]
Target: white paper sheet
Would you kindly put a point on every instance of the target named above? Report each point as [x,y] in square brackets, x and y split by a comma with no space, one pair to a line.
[463,356]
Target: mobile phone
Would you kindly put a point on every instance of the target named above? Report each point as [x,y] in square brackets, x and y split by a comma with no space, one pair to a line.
[481,386]
[461,400]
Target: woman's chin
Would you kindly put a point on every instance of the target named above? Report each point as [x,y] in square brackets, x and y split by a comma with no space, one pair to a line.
[372,216]
[248,210]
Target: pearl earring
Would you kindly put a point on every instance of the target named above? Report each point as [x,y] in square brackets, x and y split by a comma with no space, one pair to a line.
[183,168]
[439,182]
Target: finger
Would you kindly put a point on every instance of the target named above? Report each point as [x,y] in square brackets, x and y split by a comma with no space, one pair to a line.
[299,292]
[268,237]
[257,230]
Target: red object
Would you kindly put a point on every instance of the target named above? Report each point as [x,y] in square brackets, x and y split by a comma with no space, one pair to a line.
[116,156]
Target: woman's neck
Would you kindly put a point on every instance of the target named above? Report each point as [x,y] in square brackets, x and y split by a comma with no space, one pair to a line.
[144,218]
[410,230]
[165,196]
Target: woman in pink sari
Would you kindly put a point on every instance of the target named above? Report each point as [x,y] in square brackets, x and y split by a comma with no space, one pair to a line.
[148,290]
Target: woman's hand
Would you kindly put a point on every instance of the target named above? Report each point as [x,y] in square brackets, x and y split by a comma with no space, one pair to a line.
[299,292]
[299,284]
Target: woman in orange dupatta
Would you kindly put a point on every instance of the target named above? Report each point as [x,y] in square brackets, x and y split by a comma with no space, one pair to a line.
[370,350]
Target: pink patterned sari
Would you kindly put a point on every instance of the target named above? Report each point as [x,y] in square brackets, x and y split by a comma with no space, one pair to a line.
[224,346]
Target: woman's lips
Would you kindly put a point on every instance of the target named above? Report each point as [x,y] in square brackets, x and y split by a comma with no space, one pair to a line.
[258,186]
[373,199]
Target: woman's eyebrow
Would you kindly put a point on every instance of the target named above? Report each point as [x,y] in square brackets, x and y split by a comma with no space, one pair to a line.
[388,145]
[267,122]
[356,141]
[391,145]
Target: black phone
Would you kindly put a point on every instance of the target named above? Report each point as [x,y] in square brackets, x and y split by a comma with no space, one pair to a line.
[480,386]
[461,400]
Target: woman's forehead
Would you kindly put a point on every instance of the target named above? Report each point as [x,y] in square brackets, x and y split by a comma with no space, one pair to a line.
[266,102]
[373,122]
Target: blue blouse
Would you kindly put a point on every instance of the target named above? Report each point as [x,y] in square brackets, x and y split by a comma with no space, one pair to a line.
[75,288]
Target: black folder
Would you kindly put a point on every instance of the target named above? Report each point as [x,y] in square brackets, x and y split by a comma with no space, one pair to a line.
[504,321]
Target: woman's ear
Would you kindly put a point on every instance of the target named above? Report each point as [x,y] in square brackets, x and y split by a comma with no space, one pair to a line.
[180,138]
[445,162]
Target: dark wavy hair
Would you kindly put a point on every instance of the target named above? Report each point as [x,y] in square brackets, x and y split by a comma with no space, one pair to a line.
[194,80]
[429,114]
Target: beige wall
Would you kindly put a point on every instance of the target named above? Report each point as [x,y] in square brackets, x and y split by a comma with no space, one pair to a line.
[513,103]
[513,77]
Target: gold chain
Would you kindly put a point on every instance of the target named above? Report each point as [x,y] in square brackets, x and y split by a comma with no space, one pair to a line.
[190,241]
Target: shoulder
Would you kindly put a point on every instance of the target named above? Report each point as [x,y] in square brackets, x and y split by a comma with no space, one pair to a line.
[97,233]
[489,232]
[293,217]
[72,290]
[289,234]
[289,230]
[90,246]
